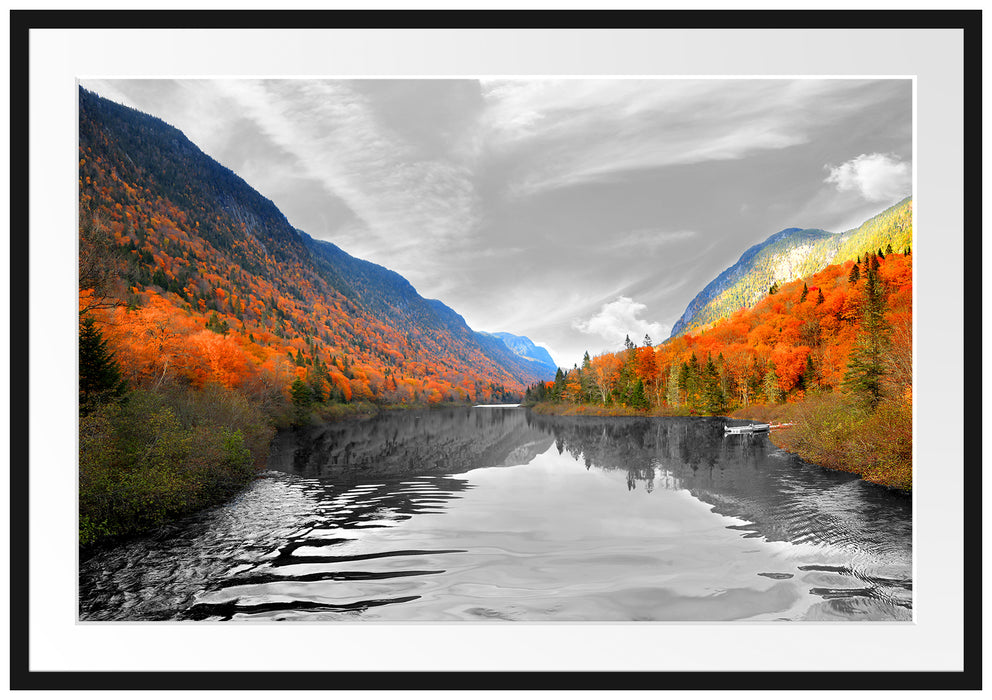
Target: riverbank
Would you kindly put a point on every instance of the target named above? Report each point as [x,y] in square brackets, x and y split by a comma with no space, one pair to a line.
[157,456]
[832,432]
[825,429]
[153,457]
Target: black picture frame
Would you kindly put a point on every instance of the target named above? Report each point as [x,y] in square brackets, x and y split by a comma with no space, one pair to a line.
[22,22]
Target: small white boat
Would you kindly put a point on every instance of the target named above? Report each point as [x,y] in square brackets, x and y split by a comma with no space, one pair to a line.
[752,428]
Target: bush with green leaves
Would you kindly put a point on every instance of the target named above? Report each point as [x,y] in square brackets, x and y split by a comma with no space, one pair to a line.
[156,456]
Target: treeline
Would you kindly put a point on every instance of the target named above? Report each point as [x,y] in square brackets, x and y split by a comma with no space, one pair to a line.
[840,340]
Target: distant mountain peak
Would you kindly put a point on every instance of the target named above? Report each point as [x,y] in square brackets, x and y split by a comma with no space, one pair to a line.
[526,348]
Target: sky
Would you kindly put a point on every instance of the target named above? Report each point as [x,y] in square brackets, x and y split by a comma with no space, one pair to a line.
[572,211]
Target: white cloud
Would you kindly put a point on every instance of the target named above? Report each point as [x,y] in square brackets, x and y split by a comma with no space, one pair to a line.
[619,318]
[878,177]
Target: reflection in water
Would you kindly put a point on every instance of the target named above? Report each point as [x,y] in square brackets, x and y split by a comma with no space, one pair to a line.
[780,498]
[391,445]
[743,476]
[502,514]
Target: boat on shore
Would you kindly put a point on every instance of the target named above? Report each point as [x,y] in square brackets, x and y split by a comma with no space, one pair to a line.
[750,428]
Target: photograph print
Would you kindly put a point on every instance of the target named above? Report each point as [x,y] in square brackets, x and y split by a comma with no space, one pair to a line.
[495,349]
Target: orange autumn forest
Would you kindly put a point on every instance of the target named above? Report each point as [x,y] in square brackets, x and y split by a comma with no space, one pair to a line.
[208,322]
[830,354]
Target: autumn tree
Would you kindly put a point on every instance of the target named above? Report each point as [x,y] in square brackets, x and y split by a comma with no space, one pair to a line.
[672,394]
[101,265]
[605,372]
[773,393]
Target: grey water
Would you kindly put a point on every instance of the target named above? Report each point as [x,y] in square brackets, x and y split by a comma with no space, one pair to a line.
[501,514]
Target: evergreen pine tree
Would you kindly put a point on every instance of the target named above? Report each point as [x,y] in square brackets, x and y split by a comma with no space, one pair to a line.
[559,387]
[819,297]
[712,392]
[802,297]
[216,325]
[99,374]
[302,400]
[866,363]
[318,378]
[855,275]
[637,397]
[810,380]
[586,379]
[647,341]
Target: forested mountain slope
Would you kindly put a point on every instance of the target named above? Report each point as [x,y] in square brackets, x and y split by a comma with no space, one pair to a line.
[793,254]
[196,277]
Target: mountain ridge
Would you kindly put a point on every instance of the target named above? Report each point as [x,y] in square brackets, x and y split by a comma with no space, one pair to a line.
[182,231]
[790,254]
[528,349]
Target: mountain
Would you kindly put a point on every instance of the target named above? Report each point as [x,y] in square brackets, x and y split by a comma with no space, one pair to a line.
[525,348]
[792,254]
[216,284]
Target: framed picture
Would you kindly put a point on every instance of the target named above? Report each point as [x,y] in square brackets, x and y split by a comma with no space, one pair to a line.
[568,176]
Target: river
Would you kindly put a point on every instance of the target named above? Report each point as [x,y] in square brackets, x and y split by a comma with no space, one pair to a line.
[500,514]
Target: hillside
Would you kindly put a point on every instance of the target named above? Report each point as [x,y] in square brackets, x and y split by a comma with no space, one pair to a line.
[831,354]
[793,254]
[195,277]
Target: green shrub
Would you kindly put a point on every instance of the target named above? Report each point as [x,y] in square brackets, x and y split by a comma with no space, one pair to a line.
[835,431]
[155,457]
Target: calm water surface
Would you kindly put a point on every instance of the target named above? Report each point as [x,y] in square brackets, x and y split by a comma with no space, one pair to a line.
[499,514]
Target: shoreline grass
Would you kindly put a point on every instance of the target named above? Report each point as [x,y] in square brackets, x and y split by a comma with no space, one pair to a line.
[827,429]
[831,431]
